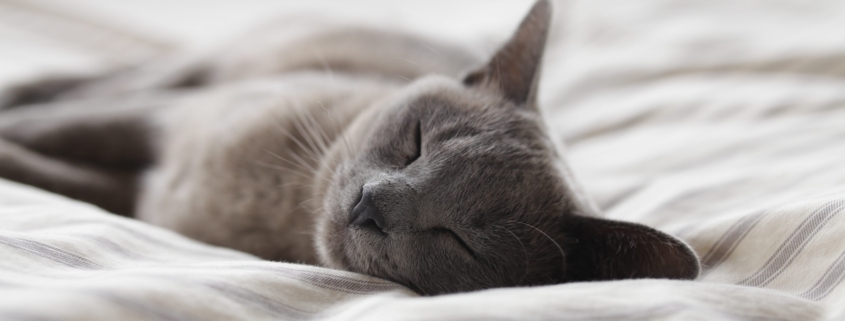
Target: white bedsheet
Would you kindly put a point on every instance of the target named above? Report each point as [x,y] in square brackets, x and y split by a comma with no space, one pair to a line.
[719,121]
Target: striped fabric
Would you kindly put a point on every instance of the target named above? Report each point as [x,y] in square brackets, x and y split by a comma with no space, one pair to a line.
[719,121]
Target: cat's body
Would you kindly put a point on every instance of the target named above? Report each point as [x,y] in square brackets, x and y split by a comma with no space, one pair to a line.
[239,152]
[333,154]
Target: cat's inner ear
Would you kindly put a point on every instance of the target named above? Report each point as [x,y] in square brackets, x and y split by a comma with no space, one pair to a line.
[612,250]
[514,70]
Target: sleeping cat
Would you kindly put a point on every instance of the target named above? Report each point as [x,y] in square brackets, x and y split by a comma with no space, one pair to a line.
[328,151]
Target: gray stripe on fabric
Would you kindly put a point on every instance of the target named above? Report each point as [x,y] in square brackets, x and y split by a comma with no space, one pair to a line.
[51,253]
[150,311]
[332,282]
[588,86]
[726,244]
[831,278]
[794,244]
[249,297]
[314,278]
[154,311]
[323,280]
[22,316]
[180,245]
[652,313]
[105,243]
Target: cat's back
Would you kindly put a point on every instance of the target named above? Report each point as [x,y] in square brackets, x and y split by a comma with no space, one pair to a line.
[285,46]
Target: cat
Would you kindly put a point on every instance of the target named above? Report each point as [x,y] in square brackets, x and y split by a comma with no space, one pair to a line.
[330,154]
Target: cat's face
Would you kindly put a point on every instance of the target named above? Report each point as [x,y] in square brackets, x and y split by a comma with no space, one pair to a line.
[441,191]
[456,186]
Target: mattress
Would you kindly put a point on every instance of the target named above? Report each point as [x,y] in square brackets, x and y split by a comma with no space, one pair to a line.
[721,122]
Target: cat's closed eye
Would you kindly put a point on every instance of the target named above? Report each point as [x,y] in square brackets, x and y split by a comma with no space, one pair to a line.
[411,158]
[457,238]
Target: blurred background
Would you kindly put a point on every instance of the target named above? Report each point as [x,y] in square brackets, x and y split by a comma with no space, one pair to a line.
[68,36]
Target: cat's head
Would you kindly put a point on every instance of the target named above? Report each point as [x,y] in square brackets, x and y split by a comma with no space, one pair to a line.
[455,185]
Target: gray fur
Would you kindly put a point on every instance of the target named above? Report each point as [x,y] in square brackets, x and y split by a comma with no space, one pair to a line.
[269,152]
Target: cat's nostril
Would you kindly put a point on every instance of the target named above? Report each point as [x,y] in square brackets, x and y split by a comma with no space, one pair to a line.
[366,214]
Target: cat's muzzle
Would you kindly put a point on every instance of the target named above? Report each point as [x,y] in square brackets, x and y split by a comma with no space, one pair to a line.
[366,214]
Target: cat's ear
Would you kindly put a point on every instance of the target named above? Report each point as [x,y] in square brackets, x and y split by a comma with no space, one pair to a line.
[514,70]
[601,249]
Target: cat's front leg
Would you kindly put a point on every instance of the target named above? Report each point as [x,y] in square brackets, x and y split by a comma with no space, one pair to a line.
[115,132]
[169,72]
[40,90]
[91,150]
[112,190]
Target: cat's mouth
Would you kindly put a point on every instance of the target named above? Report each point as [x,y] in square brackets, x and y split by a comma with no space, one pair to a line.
[365,232]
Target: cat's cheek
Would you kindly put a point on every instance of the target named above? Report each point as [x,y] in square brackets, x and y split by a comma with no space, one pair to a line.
[329,241]
[330,232]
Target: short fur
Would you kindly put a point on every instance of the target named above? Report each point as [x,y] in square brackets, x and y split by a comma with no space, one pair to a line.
[272,152]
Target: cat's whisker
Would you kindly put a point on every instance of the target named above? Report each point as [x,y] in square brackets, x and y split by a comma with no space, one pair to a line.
[532,213]
[305,201]
[302,165]
[280,168]
[560,249]
[524,251]
[299,143]
[284,170]
[349,152]
[321,138]
[295,185]
[318,132]
[329,174]
[438,83]
[342,133]
[429,48]
[499,72]
[299,123]
[328,70]
[407,60]
[293,138]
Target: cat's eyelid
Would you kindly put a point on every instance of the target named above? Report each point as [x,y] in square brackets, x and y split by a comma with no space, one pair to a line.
[458,239]
[418,137]
[417,144]
[455,132]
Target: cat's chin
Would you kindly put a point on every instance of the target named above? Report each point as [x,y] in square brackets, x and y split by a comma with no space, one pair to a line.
[337,243]
[344,247]
[329,242]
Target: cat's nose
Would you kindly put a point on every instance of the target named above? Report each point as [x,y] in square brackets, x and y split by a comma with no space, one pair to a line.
[366,214]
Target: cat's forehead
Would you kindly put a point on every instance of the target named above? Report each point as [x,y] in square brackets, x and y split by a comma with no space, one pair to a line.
[489,160]
[489,186]
[480,121]
[447,102]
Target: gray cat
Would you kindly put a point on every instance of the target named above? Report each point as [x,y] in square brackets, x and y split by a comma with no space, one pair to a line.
[326,149]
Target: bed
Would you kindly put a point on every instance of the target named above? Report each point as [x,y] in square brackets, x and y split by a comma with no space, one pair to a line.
[721,122]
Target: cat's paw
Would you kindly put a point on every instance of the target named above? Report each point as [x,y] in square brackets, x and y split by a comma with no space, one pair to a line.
[38,90]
